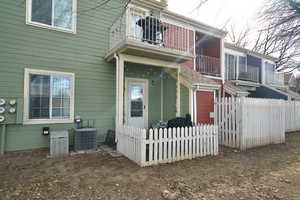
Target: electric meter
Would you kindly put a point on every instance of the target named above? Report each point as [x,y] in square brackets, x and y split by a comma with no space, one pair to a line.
[12,110]
[2,110]
[2,118]
[12,102]
[2,102]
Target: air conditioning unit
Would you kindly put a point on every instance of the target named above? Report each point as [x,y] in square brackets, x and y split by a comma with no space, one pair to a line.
[59,143]
[85,139]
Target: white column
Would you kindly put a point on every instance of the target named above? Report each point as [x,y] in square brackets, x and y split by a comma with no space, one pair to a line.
[120,94]
[178,93]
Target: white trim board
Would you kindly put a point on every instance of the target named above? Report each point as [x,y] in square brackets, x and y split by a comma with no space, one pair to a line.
[26,119]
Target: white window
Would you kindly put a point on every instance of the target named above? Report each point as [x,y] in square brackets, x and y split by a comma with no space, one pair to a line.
[54,14]
[48,97]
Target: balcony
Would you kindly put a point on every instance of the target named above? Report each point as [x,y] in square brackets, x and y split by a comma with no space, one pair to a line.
[251,74]
[208,65]
[138,33]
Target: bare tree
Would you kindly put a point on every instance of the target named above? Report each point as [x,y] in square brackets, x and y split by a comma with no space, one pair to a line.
[281,35]
[238,38]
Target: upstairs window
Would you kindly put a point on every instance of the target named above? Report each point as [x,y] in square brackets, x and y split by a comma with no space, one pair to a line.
[55,14]
[49,96]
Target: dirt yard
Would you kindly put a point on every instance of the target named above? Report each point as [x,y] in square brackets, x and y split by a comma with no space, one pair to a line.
[265,173]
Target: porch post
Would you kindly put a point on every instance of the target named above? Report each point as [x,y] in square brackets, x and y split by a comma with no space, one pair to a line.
[119,90]
[178,93]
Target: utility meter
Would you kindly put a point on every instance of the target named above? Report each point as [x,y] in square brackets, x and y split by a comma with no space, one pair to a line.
[2,110]
[12,110]
[12,102]
[2,118]
[2,102]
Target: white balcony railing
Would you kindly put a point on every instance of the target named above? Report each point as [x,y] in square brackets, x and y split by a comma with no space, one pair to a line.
[274,78]
[252,74]
[138,26]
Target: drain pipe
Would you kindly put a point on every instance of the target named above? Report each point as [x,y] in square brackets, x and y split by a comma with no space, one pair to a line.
[3,139]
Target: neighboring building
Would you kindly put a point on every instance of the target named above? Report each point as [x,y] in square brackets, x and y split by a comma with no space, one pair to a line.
[251,74]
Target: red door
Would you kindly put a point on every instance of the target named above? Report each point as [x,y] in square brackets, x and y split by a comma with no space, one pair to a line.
[205,105]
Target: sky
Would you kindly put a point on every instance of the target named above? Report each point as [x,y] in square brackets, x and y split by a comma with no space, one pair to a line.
[218,13]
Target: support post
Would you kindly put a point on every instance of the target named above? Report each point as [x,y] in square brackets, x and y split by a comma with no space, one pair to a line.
[178,93]
[121,91]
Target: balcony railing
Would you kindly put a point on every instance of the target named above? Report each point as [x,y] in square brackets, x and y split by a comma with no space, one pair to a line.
[252,74]
[208,65]
[274,78]
[139,27]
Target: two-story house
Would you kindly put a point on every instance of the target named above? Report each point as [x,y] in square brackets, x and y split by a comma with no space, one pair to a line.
[252,74]
[135,66]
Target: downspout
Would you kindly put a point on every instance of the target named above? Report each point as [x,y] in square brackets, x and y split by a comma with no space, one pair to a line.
[3,139]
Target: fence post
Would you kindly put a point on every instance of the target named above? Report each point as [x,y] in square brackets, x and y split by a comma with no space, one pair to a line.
[143,148]
[242,123]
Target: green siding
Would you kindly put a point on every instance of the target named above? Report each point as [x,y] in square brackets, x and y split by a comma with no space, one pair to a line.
[184,101]
[26,46]
[169,97]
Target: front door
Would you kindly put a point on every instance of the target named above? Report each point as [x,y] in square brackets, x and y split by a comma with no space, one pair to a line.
[136,103]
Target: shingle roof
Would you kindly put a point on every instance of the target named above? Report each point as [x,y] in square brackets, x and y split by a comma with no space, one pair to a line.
[195,78]
[236,89]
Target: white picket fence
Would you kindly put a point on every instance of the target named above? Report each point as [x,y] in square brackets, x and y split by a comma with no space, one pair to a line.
[248,122]
[166,145]
[292,116]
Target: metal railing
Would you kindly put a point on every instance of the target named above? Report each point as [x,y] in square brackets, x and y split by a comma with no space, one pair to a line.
[208,65]
[150,30]
[252,74]
[274,78]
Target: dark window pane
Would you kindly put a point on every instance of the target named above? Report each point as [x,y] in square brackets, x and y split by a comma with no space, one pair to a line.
[39,96]
[41,11]
[63,10]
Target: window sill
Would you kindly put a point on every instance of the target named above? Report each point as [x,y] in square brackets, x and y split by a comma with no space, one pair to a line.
[47,121]
[50,27]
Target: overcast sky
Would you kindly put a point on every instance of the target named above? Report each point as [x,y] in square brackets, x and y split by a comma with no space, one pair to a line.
[221,12]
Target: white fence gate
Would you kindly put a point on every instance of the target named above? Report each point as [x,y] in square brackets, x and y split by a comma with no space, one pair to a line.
[248,122]
[166,145]
[292,116]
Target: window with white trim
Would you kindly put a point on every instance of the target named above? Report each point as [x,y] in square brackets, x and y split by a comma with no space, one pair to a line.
[49,96]
[56,14]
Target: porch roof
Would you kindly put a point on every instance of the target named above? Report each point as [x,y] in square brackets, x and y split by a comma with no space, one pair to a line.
[194,78]
[233,89]
[287,92]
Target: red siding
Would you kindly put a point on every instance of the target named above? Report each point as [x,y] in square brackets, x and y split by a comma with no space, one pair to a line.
[205,105]
[179,38]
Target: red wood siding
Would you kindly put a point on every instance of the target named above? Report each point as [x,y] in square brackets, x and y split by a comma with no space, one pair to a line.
[179,38]
[205,105]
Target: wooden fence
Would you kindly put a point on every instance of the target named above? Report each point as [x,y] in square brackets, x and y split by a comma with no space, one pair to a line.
[248,122]
[292,116]
[166,145]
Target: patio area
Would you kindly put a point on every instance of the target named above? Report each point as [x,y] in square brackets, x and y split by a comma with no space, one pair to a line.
[271,172]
